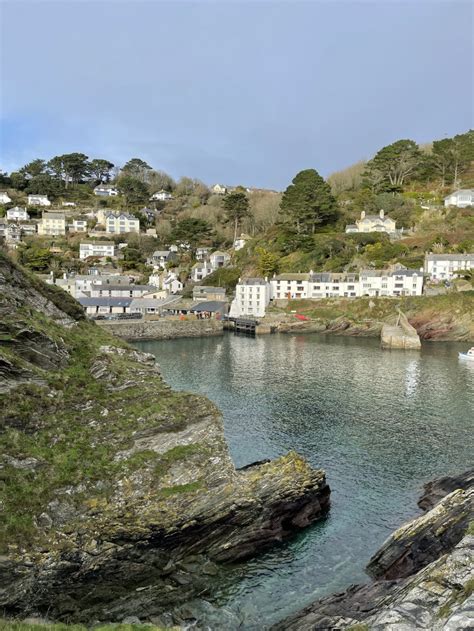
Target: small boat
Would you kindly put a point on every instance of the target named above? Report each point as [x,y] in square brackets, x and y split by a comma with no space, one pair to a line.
[469,355]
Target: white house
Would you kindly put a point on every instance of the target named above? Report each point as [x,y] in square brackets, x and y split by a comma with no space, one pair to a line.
[106,190]
[219,259]
[200,270]
[121,222]
[78,225]
[96,248]
[400,282]
[161,196]
[219,189]
[70,204]
[160,258]
[201,253]
[252,296]
[52,224]
[4,198]
[28,228]
[38,200]
[461,198]
[447,266]
[17,214]
[289,286]
[172,284]
[373,223]
[119,291]
[240,242]
[327,285]
[102,306]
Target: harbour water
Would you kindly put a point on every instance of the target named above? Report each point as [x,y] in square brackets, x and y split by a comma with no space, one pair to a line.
[381,423]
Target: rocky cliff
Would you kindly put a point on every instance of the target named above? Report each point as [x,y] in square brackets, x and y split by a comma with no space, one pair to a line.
[424,571]
[118,495]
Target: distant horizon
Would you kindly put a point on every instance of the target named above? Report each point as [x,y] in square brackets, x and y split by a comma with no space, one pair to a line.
[237,93]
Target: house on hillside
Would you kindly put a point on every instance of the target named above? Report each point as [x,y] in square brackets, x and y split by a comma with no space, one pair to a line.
[252,296]
[52,224]
[219,259]
[38,200]
[399,282]
[461,199]
[329,285]
[78,225]
[120,223]
[447,266]
[373,223]
[201,292]
[103,306]
[290,286]
[202,253]
[4,198]
[240,242]
[161,196]
[200,270]
[120,290]
[96,248]
[17,214]
[106,190]
[172,284]
[160,258]
[219,189]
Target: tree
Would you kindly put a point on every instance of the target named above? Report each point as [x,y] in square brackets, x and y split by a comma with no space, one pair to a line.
[236,206]
[393,165]
[192,231]
[267,262]
[133,190]
[137,168]
[76,167]
[35,257]
[159,180]
[18,180]
[308,202]
[44,184]
[100,169]
[34,168]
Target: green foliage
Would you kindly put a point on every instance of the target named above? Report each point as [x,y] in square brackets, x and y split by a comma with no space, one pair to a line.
[34,168]
[308,202]
[44,184]
[18,180]
[133,190]
[192,231]
[393,165]
[236,206]
[381,253]
[35,257]
[268,262]
[16,625]
[137,168]
[132,258]
[227,277]
[100,169]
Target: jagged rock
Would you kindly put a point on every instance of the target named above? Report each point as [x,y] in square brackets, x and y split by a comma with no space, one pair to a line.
[435,490]
[423,540]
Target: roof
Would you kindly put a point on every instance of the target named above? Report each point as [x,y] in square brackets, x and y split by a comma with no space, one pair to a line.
[96,243]
[202,264]
[303,276]
[105,302]
[159,253]
[52,213]
[466,191]
[328,277]
[202,289]
[37,195]
[210,305]
[124,287]
[105,186]
[252,281]
[450,257]
[219,253]
[386,272]
[148,303]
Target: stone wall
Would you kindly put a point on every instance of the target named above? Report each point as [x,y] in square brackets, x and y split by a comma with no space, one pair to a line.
[163,329]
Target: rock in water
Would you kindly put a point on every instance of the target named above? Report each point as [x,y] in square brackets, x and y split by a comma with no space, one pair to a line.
[121,496]
[437,489]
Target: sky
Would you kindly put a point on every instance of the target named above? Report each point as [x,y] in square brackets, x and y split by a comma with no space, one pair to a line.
[233,92]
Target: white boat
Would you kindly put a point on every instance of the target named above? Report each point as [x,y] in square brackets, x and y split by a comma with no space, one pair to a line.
[469,355]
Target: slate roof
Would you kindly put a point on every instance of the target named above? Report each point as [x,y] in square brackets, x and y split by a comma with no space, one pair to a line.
[105,302]
[210,305]
[450,257]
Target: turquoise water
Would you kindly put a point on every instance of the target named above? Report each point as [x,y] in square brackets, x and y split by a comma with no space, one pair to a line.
[380,423]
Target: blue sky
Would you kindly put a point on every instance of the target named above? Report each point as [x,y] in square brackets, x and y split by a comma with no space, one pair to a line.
[236,92]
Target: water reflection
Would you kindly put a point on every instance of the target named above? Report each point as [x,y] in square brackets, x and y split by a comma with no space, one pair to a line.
[380,423]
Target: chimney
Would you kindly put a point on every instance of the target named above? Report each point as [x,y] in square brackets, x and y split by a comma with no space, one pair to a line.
[382,214]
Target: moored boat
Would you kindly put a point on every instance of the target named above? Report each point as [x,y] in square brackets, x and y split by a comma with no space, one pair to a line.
[469,355]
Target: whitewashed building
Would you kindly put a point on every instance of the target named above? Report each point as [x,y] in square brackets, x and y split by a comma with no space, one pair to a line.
[172,284]
[78,225]
[119,291]
[4,198]
[96,248]
[161,196]
[373,223]
[202,253]
[219,189]
[17,214]
[462,198]
[289,286]
[120,223]
[252,296]
[219,259]
[200,270]
[160,258]
[328,285]
[400,282]
[240,242]
[106,190]
[447,266]
[38,200]
[52,224]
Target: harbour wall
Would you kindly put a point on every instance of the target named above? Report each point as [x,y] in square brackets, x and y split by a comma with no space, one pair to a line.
[162,329]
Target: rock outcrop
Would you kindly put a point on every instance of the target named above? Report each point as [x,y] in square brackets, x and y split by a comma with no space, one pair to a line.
[401,335]
[120,496]
[428,576]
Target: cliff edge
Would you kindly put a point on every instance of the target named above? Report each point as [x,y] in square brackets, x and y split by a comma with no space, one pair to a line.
[118,495]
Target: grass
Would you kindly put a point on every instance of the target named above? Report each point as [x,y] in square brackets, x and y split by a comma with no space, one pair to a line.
[12,625]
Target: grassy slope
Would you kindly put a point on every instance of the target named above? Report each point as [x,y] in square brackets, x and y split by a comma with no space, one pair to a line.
[12,625]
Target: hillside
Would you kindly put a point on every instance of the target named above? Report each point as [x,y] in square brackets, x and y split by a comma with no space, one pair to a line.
[119,495]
